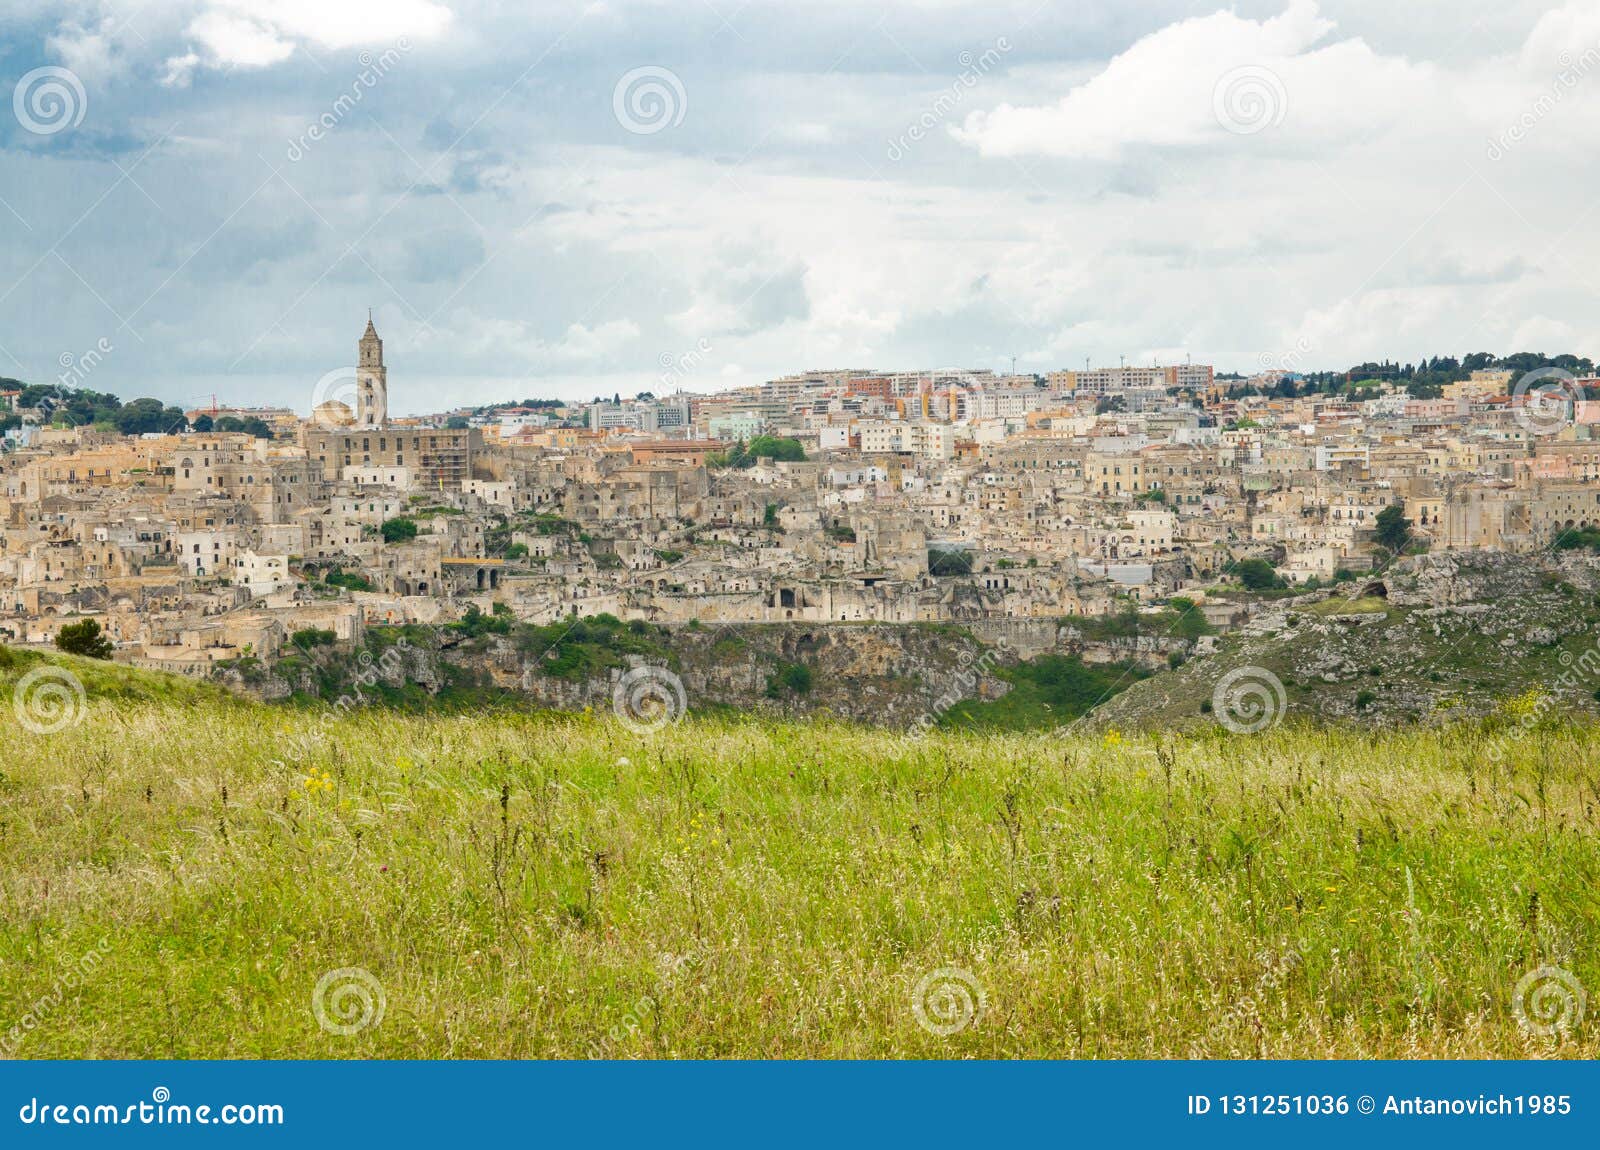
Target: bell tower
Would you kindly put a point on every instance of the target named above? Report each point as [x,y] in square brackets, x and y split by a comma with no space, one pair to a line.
[372,380]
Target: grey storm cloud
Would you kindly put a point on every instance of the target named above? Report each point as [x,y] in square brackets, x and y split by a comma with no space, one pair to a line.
[247,178]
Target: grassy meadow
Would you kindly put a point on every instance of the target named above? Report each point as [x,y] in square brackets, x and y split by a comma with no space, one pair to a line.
[179,871]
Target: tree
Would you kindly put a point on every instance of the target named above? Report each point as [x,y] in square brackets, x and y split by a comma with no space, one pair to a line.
[252,426]
[1394,529]
[743,455]
[84,639]
[309,637]
[1256,575]
[942,562]
[399,530]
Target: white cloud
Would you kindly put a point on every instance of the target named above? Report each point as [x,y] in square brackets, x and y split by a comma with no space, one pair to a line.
[238,41]
[88,52]
[1194,82]
[179,70]
[344,23]
[260,33]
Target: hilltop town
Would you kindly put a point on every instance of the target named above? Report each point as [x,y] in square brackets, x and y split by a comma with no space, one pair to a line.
[824,497]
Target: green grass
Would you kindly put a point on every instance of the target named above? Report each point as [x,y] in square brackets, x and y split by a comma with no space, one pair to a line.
[1045,692]
[538,884]
[1366,605]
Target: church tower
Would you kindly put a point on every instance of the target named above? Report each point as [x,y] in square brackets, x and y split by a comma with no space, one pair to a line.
[372,381]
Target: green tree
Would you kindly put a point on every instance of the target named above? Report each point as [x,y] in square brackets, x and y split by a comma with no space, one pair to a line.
[941,562]
[1393,529]
[84,638]
[398,530]
[1256,575]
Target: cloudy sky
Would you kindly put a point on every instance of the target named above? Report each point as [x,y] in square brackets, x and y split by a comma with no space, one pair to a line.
[568,200]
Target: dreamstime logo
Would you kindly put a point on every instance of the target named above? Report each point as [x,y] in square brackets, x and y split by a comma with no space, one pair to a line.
[948,1000]
[75,369]
[373,69]
[75,975]
[966,395]
[648,99]
[675,368]
[348,1001]
[1548,1001]
[962,684]
[1249,699]
[1288,361]
[49,100]
[339,386]
[1573,71]
[49,699]
[1546,400]
[648,698]
[1248,99]
[973,69]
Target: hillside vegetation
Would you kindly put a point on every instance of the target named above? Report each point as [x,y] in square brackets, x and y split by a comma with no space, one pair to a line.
[188,875]
[1456,636]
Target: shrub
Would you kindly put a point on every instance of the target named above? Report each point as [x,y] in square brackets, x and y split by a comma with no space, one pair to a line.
[791,679]
[398,530]
[310,637]
[84,639]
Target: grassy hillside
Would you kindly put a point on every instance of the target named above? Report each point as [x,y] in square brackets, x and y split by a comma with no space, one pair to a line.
[179,874]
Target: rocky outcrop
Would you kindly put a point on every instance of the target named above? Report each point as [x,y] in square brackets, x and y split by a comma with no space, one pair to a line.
[1437,637]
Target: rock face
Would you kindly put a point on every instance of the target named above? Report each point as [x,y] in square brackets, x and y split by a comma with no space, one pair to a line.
[1452,635]
[893,675]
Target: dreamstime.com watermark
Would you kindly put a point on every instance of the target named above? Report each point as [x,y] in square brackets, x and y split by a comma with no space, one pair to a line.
[373,69]
[49,100]
[1549,1001]
[40,1010]
[648,698]
[387,665]
[1249,700]
[675,369]
[649,99]
[672,968]
[1571,74]
[962,685]
[1288,361]
[1276,967]
[160,1110]
[973,69]
[348,1000]
[948,1000]
[1249,99]
[76,369]
[1530,710]
[48,700]
[1546,399]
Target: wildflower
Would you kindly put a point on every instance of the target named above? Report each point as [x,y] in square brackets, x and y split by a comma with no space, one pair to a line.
[318,781]
[1113,738]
